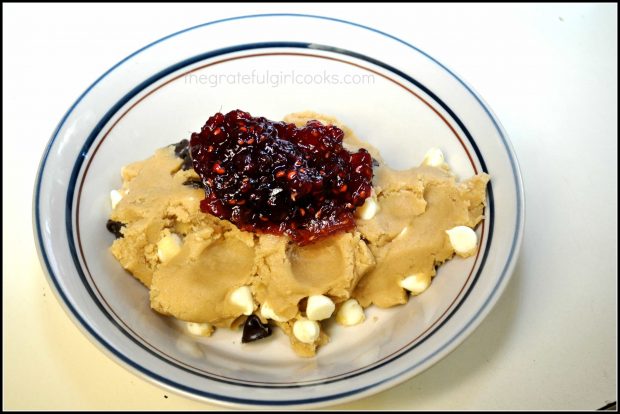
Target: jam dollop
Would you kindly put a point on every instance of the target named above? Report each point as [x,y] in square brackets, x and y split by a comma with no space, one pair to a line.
[274,177]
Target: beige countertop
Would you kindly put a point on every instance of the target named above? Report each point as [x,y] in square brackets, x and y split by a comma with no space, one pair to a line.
[550,74]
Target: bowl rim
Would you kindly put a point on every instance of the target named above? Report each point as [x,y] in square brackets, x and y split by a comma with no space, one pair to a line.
[466,330]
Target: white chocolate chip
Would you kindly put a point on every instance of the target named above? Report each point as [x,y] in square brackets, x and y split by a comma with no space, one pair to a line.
[434,158]
[306,331]
[268,313]
[463,239]
[115,197]
[200,329]
[416,283]
[242,297]
[369,209]
[168,247]
[319,307]
[350,313]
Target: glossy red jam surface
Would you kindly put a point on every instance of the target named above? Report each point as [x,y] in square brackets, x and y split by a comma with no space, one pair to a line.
[274,177]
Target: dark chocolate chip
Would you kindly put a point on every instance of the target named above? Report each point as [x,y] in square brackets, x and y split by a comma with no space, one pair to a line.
[302,305]
[181,148]
[194,183]
[187,163]
[254,329]
[114,227]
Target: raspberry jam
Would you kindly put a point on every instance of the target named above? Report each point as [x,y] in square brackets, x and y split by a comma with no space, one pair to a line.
[274,177]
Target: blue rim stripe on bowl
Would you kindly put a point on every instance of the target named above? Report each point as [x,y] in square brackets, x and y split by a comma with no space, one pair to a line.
[162,74]
[137,338]
[92,137]
[507,266]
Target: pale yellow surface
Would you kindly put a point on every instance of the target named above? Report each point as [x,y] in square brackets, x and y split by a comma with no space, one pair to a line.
[527,353]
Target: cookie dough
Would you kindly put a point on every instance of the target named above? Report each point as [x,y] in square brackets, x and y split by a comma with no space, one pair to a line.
[408,234]
[192,262]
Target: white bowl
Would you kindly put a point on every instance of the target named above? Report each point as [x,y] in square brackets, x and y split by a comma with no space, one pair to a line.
[390,93]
